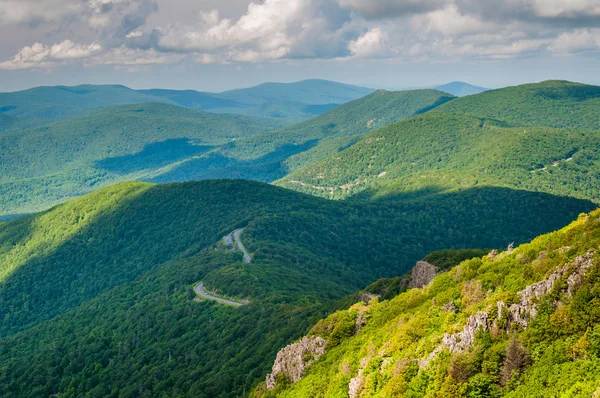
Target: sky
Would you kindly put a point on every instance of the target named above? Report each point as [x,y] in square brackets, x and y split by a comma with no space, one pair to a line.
[214,45]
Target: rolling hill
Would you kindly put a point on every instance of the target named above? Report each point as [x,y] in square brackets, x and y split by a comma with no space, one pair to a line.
[164,143]
[520,323]
[285,101]
[540,137]
[96,298]
[62,101]
[68,157]
[269,156]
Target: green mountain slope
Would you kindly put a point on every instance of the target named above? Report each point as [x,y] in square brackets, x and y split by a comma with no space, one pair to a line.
[521,323]
[487,139]
[271,155]
[557,104]
[43,165]
[95,294]
[62,101]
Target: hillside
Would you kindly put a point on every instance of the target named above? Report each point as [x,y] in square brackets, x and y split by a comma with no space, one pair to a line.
[62,101]
[520,323]
[64,158]
[96,299]
[534,137]
[460,89]
[556,104]
[268,156]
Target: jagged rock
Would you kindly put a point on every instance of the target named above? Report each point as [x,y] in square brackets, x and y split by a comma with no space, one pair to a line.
[355,386]
[460,341]
[293,359]
[520,313]
[582,264]
[367,297]
[422,274]
[356,383]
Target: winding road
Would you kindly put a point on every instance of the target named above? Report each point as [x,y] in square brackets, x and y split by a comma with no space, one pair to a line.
[236,236]
[199,289]
[233,240]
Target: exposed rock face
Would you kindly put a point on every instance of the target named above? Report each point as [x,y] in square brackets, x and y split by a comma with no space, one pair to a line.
[449,307]
[525,310]
[520,313]
[356,383]
[422,274]
[293,359]
[367,297]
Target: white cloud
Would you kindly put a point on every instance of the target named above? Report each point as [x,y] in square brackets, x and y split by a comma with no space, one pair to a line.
[577,41]
[130,57]
[450,21]
[371,44]
[273,30]
[41,56]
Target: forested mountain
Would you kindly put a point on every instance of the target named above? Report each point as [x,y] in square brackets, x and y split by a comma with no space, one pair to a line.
[542,137]
[62,101]
[460,89]
[68,157]
[46,162]
[269,156]
[285,101]
[519,323]
[95,294]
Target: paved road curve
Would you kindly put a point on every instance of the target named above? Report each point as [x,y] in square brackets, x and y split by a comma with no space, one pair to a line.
[240,245]
[199,289]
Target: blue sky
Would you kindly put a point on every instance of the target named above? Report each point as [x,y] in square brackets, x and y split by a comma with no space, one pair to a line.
[216,45]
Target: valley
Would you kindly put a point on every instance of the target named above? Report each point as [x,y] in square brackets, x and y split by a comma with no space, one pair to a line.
[174,251]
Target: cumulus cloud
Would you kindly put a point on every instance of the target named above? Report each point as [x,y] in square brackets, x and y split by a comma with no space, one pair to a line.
[577,41]
[371,44]
[274,29]
[41,56]
[271,30]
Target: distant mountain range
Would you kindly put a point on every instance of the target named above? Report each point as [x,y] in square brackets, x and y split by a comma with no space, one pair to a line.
[285,101]
[460,89]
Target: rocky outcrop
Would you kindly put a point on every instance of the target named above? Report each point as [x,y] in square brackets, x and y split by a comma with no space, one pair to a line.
[519,314]
[525,310]
[422,274]
[367,297]
[293,359]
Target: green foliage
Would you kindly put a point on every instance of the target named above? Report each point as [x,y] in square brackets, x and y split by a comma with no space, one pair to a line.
[535,137]
[95,293]
[71,156]
[271,155]
[543,360]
